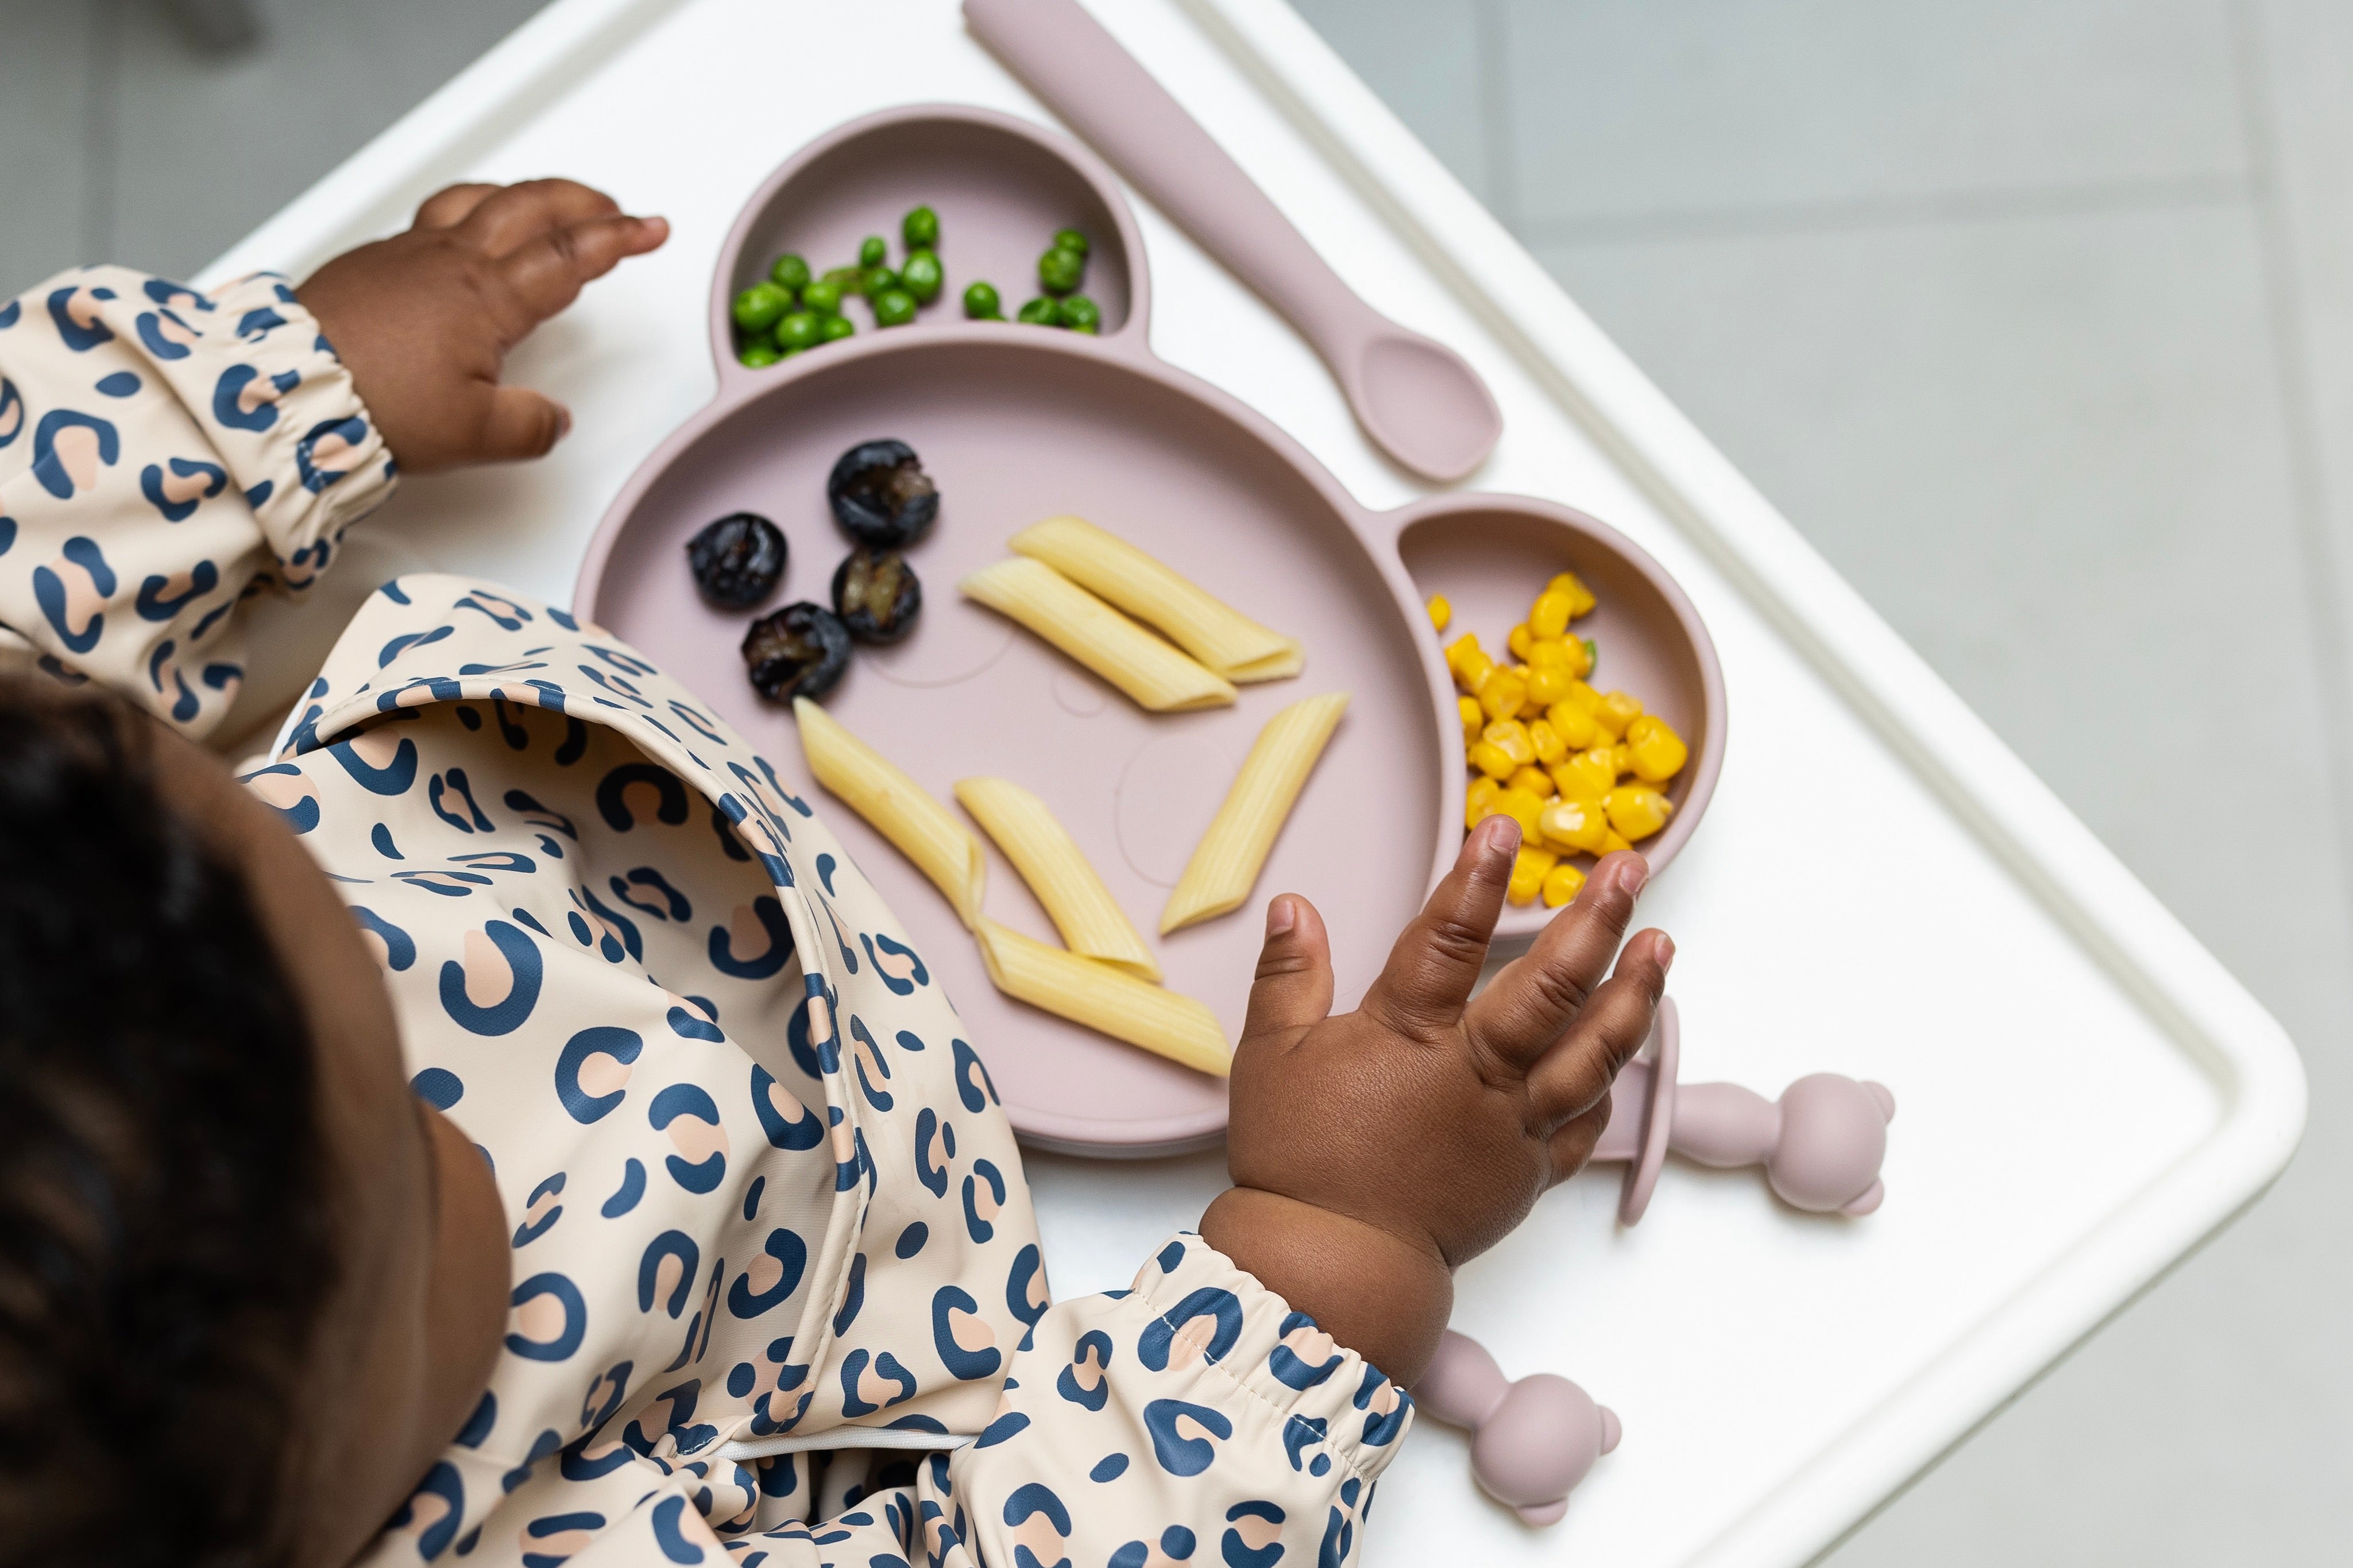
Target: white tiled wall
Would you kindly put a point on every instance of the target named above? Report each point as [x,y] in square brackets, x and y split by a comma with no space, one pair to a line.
[2036,315]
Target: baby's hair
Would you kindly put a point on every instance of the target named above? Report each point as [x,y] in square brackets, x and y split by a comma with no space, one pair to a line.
[165,1241]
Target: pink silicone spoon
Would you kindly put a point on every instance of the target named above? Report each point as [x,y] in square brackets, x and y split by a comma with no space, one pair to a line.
[1415,398]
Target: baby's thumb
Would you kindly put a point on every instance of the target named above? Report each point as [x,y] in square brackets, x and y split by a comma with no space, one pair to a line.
[1292,991]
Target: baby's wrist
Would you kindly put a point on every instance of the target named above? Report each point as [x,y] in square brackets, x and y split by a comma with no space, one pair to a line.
[1379,1293]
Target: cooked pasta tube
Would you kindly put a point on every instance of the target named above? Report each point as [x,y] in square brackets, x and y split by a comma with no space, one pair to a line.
[1220,636]
[941,847]
[1058,871]
[1226,863]
[1110,1001]
[1157,676]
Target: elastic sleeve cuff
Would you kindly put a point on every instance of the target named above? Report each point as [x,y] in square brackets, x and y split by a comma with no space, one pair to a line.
[251,367]
[1335,1407]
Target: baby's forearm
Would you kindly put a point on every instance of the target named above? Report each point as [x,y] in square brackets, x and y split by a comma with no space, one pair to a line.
[1370,1289]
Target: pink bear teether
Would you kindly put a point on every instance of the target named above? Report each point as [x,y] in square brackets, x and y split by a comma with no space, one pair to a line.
[1821,1144]
[1531,1441]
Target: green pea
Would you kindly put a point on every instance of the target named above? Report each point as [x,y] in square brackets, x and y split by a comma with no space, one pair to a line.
[893,307]
[870,251]
[921,229]
[1060,271]
[877,282]
[1079,314]
[758,354]
[921,275]
[1070,240]
[981,303]
[797,331]
[833,328]
[757,308]
[1040,313]
[822,299]
[790,272]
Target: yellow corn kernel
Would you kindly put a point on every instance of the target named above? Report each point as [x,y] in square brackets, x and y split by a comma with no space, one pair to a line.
[1536,780]
[1542,651]
[1440,612]
[1581,597]
[1474,800]
[1549,747]
[1590,774]
[1575,825]
[1616,840]
[1547,684]
[1521,805]
[1529,869]
[1617,712]
[1637,810]
[1500,692]
[1621,757]
[1584,696]
[1658,753]
[1517,641]
[1561,884]
[1582,656]
[1548,618]
[1469,662]
[1511,737]
[1474,717]
[1491,760]
[1573,724]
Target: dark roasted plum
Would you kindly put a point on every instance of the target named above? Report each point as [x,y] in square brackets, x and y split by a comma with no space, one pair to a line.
[799,651]
[876,595]
[737,561]
[882,495]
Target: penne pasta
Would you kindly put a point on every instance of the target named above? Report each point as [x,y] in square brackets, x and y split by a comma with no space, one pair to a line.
[1226,863]
[1057,870]
[1223,638]
[1107,1000]
[897,806]
[1156,675]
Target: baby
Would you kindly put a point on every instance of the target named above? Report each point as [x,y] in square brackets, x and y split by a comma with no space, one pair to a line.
[503,1125]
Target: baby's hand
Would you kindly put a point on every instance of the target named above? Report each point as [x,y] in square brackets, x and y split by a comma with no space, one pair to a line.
[1373,1153]
[424,320]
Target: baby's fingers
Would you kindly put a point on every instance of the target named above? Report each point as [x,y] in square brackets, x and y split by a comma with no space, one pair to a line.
[1575,1076]
[1519,1017]
[1437,959]
[547,273]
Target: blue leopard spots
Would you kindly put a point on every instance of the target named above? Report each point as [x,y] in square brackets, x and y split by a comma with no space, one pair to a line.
[1253,1537]
[592,1075]
[1202,1327]
[497,985]
[1040,1525]
[431,1517]
[962,1338]
[666,1273]
[177,486]
[688,1113]
[71,592]
[756,944]
[547,1318]
[787,1122]
[552,1539]
[1085,1382]
[540,1211]
[1305,1356]
[439,1088]
[772,1277]
[626,1195]
[1024,1285]
[984,1196]
[1184,1435]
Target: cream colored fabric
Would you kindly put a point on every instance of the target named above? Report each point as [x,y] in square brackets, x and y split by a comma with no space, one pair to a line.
[778,1287]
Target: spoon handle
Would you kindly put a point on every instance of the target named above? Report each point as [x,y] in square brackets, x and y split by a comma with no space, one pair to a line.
[1100,90]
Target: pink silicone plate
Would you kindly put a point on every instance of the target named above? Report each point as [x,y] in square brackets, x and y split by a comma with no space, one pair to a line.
[1017,422]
